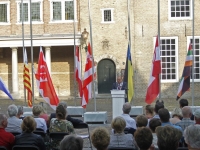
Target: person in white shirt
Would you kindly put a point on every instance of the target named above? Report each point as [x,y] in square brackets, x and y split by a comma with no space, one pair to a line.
[41,123]
[130,122]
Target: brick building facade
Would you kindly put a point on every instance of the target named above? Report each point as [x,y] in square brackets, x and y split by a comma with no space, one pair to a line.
[110,40]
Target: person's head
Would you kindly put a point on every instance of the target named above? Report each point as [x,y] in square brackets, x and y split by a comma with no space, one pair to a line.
[141,121]
[64,104]
[100,138]
[154,123]
[126,108]
[192,136]
[61,112]
[28,125]
[149,110]
[143,138]
[187,112]
[164,115]
[119,79]
[20,111]
[71,142]
[12,110]
[160,101]
[158,106]
[197,116]
[177,112]
[183,102]
[44,107]
[118,124]
[168,137]
[3,121]
[37,110]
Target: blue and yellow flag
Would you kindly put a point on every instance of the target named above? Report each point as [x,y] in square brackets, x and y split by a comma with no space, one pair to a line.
[128,75]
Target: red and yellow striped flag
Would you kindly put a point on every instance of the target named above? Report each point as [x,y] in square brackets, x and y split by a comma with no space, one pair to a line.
[27,82]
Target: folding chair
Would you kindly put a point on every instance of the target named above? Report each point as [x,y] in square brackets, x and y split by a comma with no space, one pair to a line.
[83,125]
[41,133]
[3,148]
[121,148]
[58,136]
[15,133]
[25,147]
[182,148]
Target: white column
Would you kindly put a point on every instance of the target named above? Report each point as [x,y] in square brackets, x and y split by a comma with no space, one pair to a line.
[15,82]
[48,57]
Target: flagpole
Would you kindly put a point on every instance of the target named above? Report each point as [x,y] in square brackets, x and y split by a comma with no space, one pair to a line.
[74,59]
[193,53]
[92,55]
[22,19]
[32,65]
[129,37]
[159,45]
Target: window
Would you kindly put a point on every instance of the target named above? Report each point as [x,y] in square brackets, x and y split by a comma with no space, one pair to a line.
[169,59]
[36,11]
[107,15]
[62,10]
[196,57]
[180,9]
[4,12]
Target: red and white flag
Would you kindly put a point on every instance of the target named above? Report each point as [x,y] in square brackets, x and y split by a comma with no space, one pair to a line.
[44,83]
[153,86]
[88,78]
[78,70]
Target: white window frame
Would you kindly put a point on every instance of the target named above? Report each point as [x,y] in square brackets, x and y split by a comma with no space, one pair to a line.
[188,42]
[8,13]
[27,1]
[176,61]
[63,12]
[112,16]
[179,18]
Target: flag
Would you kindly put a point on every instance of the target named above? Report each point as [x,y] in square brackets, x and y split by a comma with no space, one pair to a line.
[27,82]
[128,76]
[153,86]
[4,88]
[78,70]
[88,78]
[44,83]
[185,80]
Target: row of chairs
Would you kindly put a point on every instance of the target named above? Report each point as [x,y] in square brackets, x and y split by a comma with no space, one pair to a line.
[58,136]
[21,147]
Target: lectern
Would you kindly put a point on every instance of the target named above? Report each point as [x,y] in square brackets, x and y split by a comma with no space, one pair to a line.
[118,100]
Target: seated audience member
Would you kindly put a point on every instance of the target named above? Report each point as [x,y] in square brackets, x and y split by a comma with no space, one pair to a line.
[44,114]
[143,138]
[183,103]
[27,137]
[130,122]
[100,138]
[14,123]
[6,139]
[119,138]
[68,117]
[158,105]
[168,137]
[40,122]
[197,116]
[176,115]
[153,124]
[141,121]
[192,137]
[186,121]
[149,111]
[20,112]
[164,117]
[60,124]
[71,142]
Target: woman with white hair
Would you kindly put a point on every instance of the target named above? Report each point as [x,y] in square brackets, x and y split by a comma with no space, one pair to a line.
[192,137]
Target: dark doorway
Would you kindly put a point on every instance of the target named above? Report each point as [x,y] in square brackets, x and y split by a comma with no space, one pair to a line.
[106,75]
